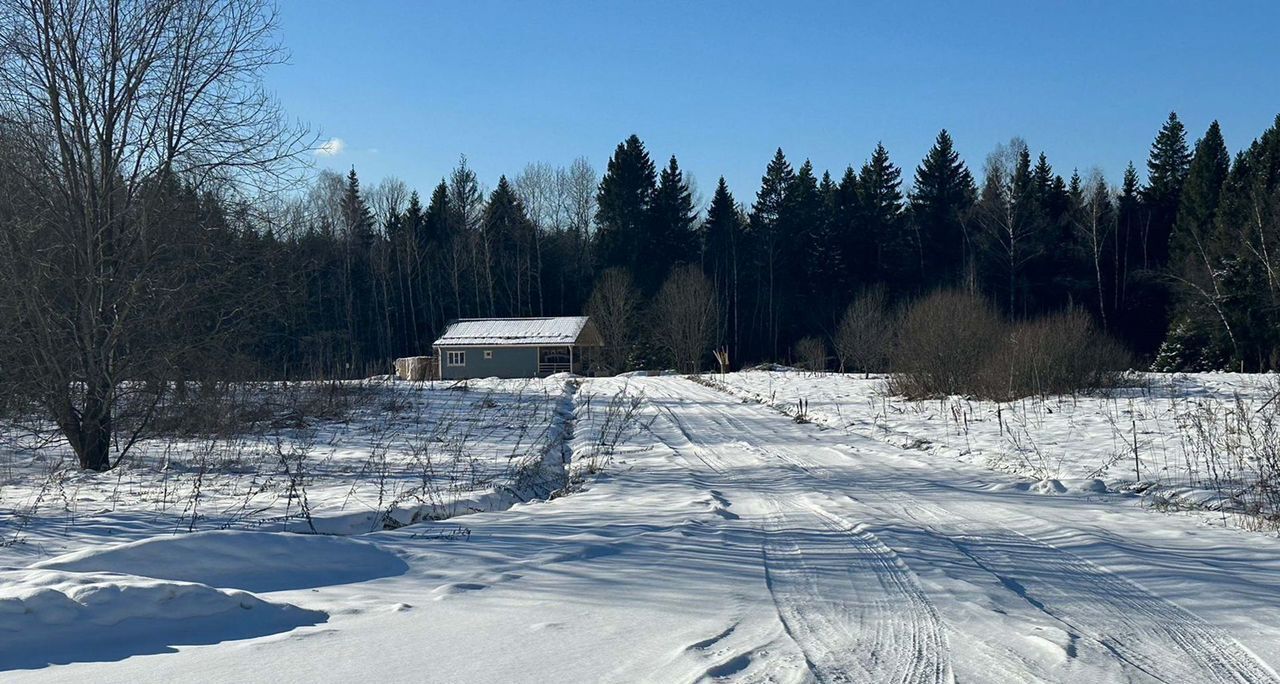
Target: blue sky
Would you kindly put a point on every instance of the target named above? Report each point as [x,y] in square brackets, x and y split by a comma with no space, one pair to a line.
[409,86]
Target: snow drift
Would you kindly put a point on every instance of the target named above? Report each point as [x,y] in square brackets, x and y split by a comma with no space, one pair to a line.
[252,561]
[53,617]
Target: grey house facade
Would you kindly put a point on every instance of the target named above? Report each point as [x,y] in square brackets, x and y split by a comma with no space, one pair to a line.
[515,347]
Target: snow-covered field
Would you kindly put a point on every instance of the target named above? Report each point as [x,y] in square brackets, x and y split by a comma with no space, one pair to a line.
[701,537]
[393,454]
[1202,441]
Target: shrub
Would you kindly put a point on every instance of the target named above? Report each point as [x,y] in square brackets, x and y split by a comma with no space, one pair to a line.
[955,343]
[944,343]
[865,336]
[1056,354]
[811,354]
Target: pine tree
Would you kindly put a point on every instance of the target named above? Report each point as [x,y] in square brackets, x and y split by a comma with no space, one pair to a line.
[623,204]
[943,194]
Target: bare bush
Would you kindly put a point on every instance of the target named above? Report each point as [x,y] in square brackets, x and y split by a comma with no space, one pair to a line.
[954,343]
[811,354]
[614,307]
[685,317]
[865,336]
[944,345]
[1057,354]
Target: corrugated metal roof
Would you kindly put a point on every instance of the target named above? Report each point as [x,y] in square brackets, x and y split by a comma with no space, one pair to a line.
[512,331]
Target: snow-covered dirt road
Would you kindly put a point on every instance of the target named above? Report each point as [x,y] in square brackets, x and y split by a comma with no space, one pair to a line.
[726,541]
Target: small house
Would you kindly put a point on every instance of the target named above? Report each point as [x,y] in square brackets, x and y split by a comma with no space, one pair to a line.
[514,347]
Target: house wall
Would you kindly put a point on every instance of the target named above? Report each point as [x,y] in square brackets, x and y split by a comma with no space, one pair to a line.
[507,362]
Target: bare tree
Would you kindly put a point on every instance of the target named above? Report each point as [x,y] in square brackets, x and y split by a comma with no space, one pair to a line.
[865,336]
[388,197]
[614,306]
[536,188]
[685,317]
[107,106]
[576,191]
[1097,227]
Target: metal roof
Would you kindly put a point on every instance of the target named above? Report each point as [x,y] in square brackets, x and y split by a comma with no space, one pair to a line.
[471,332]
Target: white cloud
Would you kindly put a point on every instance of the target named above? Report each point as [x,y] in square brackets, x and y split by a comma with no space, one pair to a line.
[331,147]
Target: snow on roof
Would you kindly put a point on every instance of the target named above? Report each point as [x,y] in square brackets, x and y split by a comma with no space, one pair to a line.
[512,331]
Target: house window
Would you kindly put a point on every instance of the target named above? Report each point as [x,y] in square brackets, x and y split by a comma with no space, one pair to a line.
[456,358]
[488,353]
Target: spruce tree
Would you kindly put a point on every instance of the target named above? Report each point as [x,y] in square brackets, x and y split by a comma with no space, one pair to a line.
[857,248]
[359,295]
[672,238]
[819,262]
[802,224]
[357,219]
[1128,231]
[507,227]
[1198,204]
[941,198]
[721,240]
[1167,168]
[769,243]
[1247,231]
[880,199]
[623,204]
[1199,336]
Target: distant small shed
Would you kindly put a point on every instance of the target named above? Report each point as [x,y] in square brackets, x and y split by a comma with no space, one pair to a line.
[514,347]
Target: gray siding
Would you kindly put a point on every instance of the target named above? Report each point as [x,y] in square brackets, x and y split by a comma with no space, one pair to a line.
[507,362]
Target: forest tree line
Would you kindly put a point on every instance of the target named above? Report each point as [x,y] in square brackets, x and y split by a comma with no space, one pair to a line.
[1181,268]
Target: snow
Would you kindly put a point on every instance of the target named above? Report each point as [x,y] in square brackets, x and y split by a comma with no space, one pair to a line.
[711,538]
[253,561]
[48,616]
[471,332]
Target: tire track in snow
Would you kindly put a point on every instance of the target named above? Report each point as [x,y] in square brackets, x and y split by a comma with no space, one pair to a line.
[1146,632]
[850,603]
[1149,633]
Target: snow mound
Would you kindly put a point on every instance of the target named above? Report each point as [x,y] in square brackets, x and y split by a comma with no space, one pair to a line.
[49,616]
[252,561]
